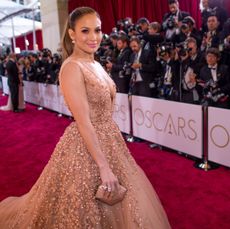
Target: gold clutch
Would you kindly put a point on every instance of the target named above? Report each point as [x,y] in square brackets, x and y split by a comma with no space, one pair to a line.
[113,197]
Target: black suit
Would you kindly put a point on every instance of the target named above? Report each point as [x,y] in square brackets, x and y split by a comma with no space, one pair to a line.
[170,30]
[147,73]
[215,39]
[181,37]
[181,16]
[13,82]
[221,14]
[118,74]
[191,95]
[173,83]
[223,82]
[152,41]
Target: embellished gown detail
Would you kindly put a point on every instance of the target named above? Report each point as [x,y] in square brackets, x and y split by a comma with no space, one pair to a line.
[64,195]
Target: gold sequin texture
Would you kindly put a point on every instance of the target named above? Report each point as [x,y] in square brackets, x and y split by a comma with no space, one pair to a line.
[64,195]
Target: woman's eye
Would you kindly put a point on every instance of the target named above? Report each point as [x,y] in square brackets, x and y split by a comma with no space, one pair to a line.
[98,30]
[85,31]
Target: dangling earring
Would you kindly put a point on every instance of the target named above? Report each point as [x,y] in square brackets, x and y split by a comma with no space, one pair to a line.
[73,41]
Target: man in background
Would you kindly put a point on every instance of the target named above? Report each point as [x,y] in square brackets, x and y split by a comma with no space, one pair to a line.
[13,80]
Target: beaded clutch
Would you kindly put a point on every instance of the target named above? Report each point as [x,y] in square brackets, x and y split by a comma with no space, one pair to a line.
[113,197]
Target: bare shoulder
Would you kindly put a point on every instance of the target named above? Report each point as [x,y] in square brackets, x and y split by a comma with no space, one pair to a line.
[70,69]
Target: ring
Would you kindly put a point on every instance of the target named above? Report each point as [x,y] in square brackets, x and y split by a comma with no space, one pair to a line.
[104,187]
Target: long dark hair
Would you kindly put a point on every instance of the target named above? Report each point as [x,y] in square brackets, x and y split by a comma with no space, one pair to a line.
[67,45]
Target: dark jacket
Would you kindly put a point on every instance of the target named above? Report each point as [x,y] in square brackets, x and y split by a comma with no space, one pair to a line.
[175,80]
[223,77]
[121,59]
[119,76]
[223,83]
[148,68]
[181,16]
[181,37]
[12,72]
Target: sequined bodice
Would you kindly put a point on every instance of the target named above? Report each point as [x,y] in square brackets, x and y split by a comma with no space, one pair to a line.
[100,90]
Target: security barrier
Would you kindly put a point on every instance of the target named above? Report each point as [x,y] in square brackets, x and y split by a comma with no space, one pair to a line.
[171,124]
[178,126]
[219,136]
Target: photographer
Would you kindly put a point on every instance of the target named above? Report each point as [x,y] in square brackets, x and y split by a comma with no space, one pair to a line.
[43,66]
[55,68]
[28,71]
[169,69]
[105,50]
[212,37]
[35,64]
[205,12]
[220,11]
[124,24]
[46,66]
[114,50]
[187,30]
[191,62]
[142,26]
[225,43]
[144,69]
[172,20]
[153,38]
[120,75]
[215,81]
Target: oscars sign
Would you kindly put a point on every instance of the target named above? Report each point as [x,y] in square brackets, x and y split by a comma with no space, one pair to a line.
[49,96]
[219,135]
[121,113]
[31,92]
[171,124]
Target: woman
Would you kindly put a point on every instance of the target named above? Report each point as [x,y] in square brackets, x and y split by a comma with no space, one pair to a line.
[91,152]
[21,103]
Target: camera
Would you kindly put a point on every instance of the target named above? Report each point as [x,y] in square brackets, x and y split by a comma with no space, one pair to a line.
[183,49]
[123,24]
[56,58]
[165,48]
[126,71]
[171,22]
[212,93]
[134,27]
[46,52]
[104,60]
[165,91]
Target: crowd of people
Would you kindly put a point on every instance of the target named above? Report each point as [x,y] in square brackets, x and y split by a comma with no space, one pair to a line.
[41,66]
[173,60]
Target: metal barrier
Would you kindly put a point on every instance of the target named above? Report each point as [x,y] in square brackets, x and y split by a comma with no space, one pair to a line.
[179,126]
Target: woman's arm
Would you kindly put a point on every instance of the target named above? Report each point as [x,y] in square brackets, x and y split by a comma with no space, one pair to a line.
[73,88]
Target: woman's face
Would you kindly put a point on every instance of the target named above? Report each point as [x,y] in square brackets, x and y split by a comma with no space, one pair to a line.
[87,34]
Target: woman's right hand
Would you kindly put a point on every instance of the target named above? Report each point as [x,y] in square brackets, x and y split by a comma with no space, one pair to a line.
[109,180]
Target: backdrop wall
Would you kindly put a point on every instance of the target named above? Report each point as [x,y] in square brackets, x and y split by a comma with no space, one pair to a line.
[20,41]
[113,10]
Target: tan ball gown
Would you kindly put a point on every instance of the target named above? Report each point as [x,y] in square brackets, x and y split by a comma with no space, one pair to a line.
[64,195]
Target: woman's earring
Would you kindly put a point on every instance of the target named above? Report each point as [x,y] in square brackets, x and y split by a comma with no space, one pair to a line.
[73,41]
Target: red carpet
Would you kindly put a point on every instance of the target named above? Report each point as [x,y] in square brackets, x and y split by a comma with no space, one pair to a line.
[192,198]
